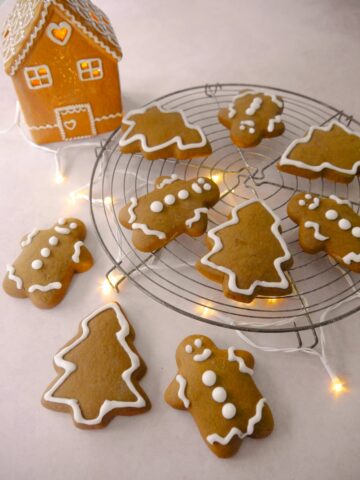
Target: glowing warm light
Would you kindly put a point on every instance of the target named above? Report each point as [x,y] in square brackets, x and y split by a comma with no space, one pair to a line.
[59,178]
[84,65]
[337,387]
[216,177]
[106,287]
[272,301]
[107,200]
[96,73]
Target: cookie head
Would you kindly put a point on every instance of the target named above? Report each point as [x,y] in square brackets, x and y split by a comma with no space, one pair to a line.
[73,227]
[195,348]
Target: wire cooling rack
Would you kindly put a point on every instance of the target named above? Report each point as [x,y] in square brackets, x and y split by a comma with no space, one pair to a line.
[323,292]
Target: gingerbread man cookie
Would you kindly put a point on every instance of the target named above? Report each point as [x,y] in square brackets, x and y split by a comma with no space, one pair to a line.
[217,388]
[248,254]
[174,207]
[253,116]
[157,133]
[328,224]
[332,151]
[49,258]
[98,372]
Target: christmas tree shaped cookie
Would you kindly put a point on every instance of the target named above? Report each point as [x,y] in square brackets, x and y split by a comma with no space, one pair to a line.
[217,388]
[332,151]
[47,263]
[252,116]
[98,372]
[248,254]
[328,224]
[157,133]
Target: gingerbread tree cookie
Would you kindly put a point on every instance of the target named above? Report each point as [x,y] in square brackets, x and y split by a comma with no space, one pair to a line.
[98,372]
[328,224]
[174,207]
[47,263]
[217,388]
[332,151]
[248,254]
[157,133]
[253,116]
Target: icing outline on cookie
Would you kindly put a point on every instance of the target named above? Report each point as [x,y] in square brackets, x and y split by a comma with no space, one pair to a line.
[11,275]
[182,387]
[285,160]
[70,367]
[232,108]
[218,246]
[243,368]
[126,139]
[316,227]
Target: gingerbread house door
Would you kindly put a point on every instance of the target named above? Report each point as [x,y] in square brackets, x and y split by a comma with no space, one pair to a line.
[75,121]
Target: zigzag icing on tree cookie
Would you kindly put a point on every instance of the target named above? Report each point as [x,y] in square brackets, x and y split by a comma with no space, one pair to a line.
[244,251]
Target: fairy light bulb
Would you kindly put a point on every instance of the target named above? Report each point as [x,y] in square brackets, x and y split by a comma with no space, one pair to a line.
[272,301]
[106,287]
[216,177]
[337,387]
[107,201]
[59,178]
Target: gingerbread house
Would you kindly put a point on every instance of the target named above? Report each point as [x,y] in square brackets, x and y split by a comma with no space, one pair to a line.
[62,56]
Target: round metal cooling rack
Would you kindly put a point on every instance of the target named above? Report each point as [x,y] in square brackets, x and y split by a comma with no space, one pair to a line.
[323,292]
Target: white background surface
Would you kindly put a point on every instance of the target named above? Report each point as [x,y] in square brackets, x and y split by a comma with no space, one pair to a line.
[307,46]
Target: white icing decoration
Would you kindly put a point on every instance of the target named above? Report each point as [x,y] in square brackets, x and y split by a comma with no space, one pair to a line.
[217,246]
[201,357]
[209,378]
[201,180]
[316,227]
[132,206]
[127,138]
[11,274]
[272,122]
[29,238]
[198,342]
[351,257]
[77,250]
[232,108]
[197,216]
[219,394]
[73,225]
[148,231]
[331,214]
[45,252]
[356,232]
[216,438]
[344,224]
[181,393]
[45,288]
[285,160]
[63,231]
[70,367]
[315,204]
[252,130]
[53,241]
[183,194]
[169,199]
[308,196]
[207,187]
[61,221]
[188,349]
[196,187]
[36,264]
[302,203]
[248,123]
[254,106]
[228,411]
[340,201]
[156,206]
[168,181]
[232,357]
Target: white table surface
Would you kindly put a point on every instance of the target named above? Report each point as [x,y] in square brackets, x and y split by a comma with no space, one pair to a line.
[307,46]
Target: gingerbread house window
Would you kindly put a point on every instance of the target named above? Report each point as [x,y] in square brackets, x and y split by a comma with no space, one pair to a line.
[90,69]
[38,77]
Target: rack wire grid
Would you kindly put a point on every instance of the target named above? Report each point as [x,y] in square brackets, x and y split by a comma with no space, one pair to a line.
[323,292]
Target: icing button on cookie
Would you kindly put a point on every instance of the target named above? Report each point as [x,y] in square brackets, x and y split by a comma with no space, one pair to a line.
[344,224]
[356,232]
[36,264]
[53,241]
[209,378]
[331,214]
[156,207]
[169,199]
[183,194]
[228,411]
[45,252]
[219,394]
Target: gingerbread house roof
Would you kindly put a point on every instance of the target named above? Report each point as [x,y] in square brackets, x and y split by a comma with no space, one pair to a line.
[28,18]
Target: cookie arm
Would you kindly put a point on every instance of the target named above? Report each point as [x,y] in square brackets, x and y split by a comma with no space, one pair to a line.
[84,256]
[247,357]
[266,425]
[171,396]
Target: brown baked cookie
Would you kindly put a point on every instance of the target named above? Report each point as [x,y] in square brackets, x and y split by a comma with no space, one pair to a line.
[217,388]
[252,116]
[157,133]
[98,372]
[47,263]
[332,152]
[174,207]
[247,254]
[328,224]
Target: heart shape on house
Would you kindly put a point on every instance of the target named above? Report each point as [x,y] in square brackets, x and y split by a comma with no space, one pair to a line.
[70,124]
[59,32]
